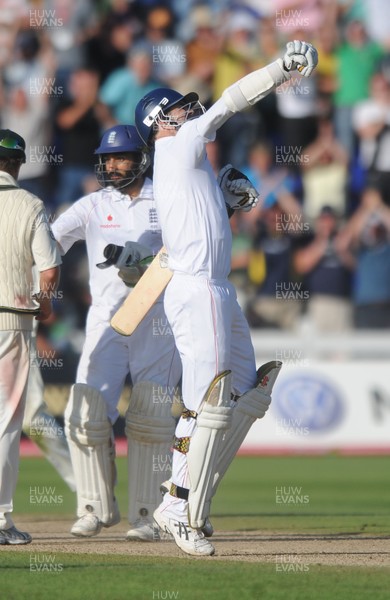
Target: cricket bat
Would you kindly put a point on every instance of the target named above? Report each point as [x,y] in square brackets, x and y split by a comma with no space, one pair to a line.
[143,296]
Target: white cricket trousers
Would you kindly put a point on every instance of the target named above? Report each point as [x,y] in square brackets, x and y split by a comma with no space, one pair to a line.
[14,368]
[149,354]
[211,335]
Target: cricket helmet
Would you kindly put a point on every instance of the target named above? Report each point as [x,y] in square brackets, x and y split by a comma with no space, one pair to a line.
[154,107]
[12,145]
[121,139]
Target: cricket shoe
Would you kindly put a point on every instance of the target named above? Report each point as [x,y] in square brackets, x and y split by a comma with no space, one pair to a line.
[89,525]
[191,541]
[14,537]
[207,528]
[143,530]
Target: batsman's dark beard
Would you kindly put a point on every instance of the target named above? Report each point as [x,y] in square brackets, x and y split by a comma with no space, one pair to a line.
[121,176]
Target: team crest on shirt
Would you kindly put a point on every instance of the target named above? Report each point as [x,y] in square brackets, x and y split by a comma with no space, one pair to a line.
[153,219]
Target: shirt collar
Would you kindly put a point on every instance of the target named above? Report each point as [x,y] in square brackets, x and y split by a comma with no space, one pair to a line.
[146,192]
[7,179]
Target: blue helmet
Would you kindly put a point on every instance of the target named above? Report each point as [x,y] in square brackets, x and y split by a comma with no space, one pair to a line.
[154,107]
[122,139]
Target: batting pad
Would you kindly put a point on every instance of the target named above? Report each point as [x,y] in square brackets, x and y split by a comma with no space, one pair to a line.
[92,450]
[149,430]
[213,420]
[250,406]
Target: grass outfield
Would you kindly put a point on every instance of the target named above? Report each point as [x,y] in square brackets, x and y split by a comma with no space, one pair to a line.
[288,495]
[133,578]
[323,494]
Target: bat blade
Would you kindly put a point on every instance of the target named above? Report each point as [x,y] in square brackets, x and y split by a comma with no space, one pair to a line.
[143,296]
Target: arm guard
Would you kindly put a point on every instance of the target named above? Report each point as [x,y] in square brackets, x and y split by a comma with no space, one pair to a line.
[255,86]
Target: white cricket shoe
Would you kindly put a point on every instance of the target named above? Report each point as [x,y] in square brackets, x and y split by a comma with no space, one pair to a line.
[191,541]
[87,526]
[143,530]
[12,537]
[207,528]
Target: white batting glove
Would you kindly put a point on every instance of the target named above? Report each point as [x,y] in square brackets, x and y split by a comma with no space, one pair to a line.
[301,56]
[238,192]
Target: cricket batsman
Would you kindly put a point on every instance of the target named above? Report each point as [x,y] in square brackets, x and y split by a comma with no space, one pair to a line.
[210,331]
[119,223]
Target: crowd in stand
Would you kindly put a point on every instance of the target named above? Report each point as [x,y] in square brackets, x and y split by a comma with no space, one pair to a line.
[317,246]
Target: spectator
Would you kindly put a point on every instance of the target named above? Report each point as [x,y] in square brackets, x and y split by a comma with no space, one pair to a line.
[168,53]
[368,235]
[126,86]
[29,88]
[73,23]
[327,275]
[268,49]
[357,54]
[12,15]
[326,43]
[275,229]
[324,172]
[237,58]
[371,120]
[108,49]
[78,125]
[266,170]
[293,14]
[28,113]
[377,18]
[202,51]
[238,54]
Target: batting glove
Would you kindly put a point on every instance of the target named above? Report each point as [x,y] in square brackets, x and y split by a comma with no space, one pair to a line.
[238,192]
[127,259]
[300,56]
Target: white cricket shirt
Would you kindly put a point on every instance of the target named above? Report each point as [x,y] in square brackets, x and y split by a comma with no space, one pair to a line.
[109,217]
[190,204]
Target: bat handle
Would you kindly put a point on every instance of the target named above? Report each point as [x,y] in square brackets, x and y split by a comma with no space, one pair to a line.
[111,252]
